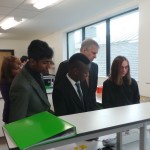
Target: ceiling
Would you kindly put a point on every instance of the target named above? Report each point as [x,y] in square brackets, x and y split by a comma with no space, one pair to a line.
[43,22]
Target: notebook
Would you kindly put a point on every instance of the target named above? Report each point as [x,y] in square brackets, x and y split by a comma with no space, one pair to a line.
[41,128]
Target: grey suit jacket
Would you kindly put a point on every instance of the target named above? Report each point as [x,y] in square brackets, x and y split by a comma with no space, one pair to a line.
[26,97]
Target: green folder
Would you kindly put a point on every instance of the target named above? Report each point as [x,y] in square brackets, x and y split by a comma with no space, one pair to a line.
[39,129]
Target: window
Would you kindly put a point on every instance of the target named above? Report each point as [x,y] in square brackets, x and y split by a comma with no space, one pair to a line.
[74,42]
[117,35]
[124,39]
[98,33]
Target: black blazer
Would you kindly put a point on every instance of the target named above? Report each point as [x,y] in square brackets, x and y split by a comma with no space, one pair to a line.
[5,87]
[65,99]
[89,92]
[115,96]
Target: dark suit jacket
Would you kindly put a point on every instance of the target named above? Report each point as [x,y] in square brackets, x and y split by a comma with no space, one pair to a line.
[88,92]
[115,96]
[5,87]
[26,97]
[66,100]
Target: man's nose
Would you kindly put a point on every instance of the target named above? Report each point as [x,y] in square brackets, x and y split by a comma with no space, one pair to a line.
[95,56]
[48,65]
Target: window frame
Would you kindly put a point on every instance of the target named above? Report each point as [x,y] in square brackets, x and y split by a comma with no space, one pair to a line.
[108,44]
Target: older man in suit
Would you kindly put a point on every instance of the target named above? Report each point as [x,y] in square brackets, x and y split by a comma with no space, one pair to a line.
[89,48]
[68,97]
[27,93]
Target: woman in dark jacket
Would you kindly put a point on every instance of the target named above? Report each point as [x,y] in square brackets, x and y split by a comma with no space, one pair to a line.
[10,67]
[120,89]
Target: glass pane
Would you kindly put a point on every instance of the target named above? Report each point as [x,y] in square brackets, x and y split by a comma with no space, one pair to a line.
[124,37]
[74,42]
[98,33]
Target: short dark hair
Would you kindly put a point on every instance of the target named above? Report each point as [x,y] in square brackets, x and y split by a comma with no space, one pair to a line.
[78,57]
[24,58]
[39,49]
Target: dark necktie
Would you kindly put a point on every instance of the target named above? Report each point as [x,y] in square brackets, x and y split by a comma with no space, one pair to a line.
[79,91]
[87,81]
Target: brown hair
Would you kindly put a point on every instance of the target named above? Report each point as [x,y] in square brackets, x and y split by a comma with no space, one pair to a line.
[115,71]
[8,65]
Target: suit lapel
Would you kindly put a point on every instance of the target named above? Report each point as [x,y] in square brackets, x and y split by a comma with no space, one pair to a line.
[88,85]
[78,101]
[91,76]
[36,87]
[75,96]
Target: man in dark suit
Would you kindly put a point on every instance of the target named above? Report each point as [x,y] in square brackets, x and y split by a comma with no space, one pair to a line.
[89,48]
[67,94]
[27,93]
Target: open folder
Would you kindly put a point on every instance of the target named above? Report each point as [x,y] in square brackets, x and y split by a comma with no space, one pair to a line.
[38,129]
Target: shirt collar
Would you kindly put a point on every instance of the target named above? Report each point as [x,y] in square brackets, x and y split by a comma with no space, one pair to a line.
[71,80]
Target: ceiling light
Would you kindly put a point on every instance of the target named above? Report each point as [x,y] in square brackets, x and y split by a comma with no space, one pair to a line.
[39,4]
[10,22]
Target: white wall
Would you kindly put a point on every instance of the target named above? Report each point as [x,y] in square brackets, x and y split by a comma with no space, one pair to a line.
[19,46]
[58,41]
[144,47]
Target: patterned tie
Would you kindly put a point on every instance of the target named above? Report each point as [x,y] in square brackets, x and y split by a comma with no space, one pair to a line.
[79,91]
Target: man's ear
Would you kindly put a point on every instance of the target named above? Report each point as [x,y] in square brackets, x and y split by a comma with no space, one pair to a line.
[84,50]
[32,61]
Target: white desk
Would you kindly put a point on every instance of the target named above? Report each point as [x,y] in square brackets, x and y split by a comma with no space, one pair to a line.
[0,95]
[102,122]
[1,114]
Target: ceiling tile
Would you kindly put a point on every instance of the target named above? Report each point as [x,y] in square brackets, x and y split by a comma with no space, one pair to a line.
[11,3]
[52,19]
[1,17]
[29,6]
[24,13]
[5,10]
